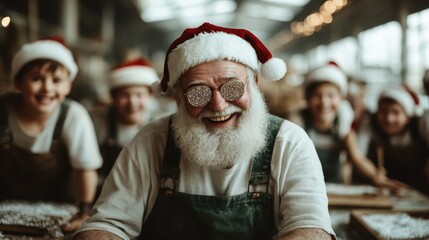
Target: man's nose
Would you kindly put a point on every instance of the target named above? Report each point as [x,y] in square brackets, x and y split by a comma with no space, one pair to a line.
[217,103]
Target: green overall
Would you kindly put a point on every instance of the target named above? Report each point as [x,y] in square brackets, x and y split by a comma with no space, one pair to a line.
[29,176]
[178,215]
[329,156]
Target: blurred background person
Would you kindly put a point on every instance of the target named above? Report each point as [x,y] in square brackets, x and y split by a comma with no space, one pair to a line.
[48,147]
[328,119]
[397,138]
[131,108]
[356,93]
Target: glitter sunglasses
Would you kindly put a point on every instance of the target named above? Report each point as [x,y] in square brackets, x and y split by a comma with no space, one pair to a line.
[200,96]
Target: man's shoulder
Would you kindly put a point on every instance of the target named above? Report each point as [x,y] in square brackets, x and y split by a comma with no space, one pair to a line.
[151,136]
[291,132]
[156,126]
[286,125]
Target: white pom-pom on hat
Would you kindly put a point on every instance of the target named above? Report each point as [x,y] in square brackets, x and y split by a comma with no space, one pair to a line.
[274,69]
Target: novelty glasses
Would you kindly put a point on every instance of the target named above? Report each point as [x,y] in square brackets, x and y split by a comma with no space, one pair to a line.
[200,96]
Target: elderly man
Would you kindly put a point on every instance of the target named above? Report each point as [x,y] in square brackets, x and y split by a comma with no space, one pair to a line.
[221,167]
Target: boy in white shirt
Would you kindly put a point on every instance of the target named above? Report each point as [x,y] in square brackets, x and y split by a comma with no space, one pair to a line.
[48,145]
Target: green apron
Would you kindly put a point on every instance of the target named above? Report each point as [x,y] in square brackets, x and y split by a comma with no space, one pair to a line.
[178,215]
[29,176]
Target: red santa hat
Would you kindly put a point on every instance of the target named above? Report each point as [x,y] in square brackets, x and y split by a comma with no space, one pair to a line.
[133,72]
[329,72]
[406,97]
[52,48]
[209,42]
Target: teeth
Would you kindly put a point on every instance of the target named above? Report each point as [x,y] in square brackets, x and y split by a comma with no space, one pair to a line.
[219,118]
[45,99]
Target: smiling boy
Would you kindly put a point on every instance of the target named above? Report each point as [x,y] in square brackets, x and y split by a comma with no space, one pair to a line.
[48,145]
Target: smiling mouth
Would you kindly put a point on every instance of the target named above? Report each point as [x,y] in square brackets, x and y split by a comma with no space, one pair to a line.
[44,99]
[220,118]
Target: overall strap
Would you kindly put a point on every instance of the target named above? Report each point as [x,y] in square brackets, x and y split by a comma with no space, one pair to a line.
[170,166]
[261,164]
[112,130]
[5,133]
[60,122]
[415,131]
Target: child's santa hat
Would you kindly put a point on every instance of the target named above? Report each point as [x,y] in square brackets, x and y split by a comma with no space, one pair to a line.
[133,72]
[52,48]
[330,72]
[406,97]
[209,42]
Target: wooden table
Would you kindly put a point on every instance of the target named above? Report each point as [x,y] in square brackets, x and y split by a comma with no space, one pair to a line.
[340,215]
[339,211]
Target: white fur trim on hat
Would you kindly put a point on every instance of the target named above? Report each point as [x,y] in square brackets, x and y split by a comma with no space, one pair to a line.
[401,96]
[133,75]
[44,49]
[329,73]
[207,47]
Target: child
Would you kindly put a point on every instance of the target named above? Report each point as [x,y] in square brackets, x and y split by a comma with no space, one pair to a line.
[328,119]
[397,138]
[48,146]
[131,93]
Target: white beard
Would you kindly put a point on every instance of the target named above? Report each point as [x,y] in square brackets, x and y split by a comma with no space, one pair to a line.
[222,148]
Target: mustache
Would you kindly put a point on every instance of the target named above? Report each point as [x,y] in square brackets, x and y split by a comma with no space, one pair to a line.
[231,109]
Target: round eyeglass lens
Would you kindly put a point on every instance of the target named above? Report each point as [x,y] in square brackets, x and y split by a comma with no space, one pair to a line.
[232,90]
[199,96]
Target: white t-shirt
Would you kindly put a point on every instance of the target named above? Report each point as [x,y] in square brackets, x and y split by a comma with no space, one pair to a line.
[77,133]
[100,117]
[131,189]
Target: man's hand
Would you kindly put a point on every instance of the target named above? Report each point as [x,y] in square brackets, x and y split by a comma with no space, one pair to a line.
[393,186]
[95,234]
[75,223]
[307,233]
